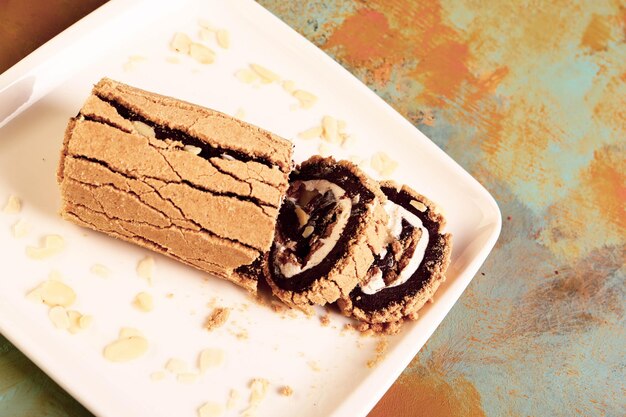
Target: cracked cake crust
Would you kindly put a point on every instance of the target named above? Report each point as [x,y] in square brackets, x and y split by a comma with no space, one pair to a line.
[127,177]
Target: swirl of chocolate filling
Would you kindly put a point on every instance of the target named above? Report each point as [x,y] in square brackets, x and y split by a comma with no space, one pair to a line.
[322,246]
[408,271]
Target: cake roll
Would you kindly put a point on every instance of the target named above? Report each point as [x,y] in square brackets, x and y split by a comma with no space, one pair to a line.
[409,269]
[328,229]
[183,180]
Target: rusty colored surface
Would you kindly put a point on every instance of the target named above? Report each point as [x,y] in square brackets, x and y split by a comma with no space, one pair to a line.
[530,97]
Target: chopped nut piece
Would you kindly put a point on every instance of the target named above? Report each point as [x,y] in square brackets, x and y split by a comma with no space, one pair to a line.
[314,366]
[258,389]
[306,99]
[286,391]
[51,245]
[145,268]
[157,376]
[143,301]
[264,73]
[314,132]
[187,378]
[206,34]
[302,215]
[172,60]
[13,205]
[223,38]
[289,86]
[55,275]
[383,164]
[176,366]
[58,316]
[144,129]
[20,229]
[324,149]
[201,53]
[307,231]
[210,409]
[233,397]
[210,358]
[100,270]
[217,318]
[347,141]
[192,149]
[85,321]
[132,62]
[180,43]
[246,76]
[206,25]
[341,125]
[53,293]
[129,332]
[418,205]
[126,349]
[74,319]
[331,132]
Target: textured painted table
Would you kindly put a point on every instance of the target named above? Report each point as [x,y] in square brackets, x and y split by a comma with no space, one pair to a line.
[530,98]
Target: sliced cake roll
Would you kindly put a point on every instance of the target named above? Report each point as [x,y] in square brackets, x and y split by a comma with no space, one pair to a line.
[183,180]
[327,231]
[409,269]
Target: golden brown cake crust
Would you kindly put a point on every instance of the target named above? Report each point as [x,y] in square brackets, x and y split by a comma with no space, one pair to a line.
[214,213]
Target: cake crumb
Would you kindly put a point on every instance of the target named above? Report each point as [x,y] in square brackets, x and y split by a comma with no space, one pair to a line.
[13,205]
[381,348]
[100,270]
[210,409]
[217,318]
[286,391]
[325,320]
[20,229]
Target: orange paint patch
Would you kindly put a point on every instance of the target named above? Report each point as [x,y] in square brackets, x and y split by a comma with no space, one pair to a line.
[366,38]
[606,179]
[597,34]
[430,395]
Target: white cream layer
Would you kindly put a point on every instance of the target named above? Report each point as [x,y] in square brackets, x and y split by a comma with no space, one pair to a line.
[290,269]
[396,214]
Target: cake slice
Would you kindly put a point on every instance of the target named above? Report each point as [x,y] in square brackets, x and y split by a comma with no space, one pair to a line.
[410,268]
[328,229]
[183,180]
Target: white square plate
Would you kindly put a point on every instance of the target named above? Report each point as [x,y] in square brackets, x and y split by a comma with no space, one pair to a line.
[325,367]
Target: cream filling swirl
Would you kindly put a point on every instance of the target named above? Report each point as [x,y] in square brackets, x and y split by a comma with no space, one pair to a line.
[289,269]
[396,213]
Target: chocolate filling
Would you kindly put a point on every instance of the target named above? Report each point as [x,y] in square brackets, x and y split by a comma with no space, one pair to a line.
[434,252]
[163,132]
[287,229]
